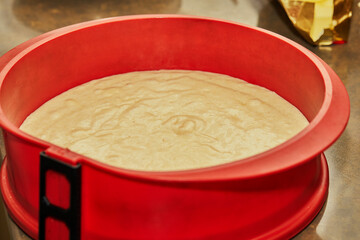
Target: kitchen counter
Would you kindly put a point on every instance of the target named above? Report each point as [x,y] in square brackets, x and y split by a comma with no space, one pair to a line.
[21,20]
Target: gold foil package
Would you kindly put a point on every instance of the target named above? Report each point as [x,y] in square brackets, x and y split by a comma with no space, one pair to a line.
[320,22]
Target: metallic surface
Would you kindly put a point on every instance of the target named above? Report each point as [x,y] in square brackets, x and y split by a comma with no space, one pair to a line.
[21,20]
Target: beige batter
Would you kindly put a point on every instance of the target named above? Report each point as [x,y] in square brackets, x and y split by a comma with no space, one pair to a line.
[166,120]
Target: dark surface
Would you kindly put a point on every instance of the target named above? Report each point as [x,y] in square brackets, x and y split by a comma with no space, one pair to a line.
[21,20]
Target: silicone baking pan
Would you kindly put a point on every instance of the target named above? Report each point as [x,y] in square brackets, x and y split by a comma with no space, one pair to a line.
[53,193]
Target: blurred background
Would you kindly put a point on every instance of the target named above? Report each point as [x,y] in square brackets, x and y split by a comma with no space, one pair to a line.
[21,20]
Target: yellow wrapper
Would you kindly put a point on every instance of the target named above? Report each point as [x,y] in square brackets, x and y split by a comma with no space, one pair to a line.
[320,22]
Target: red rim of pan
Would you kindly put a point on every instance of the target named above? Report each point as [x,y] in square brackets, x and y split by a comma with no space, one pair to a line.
[322,131]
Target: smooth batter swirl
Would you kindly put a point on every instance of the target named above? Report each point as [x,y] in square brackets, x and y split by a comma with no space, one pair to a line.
[166,120]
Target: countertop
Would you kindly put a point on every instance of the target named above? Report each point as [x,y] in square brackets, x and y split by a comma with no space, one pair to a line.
[21,20]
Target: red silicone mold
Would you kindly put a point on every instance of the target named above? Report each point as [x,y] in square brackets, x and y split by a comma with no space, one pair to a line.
[272,195]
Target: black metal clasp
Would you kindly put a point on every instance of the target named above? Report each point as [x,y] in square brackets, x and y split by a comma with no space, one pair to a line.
[71,216]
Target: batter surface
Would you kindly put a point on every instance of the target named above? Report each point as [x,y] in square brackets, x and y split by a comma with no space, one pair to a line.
[166,120]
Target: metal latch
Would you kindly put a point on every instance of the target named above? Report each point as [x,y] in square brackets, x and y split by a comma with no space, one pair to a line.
[70,216]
